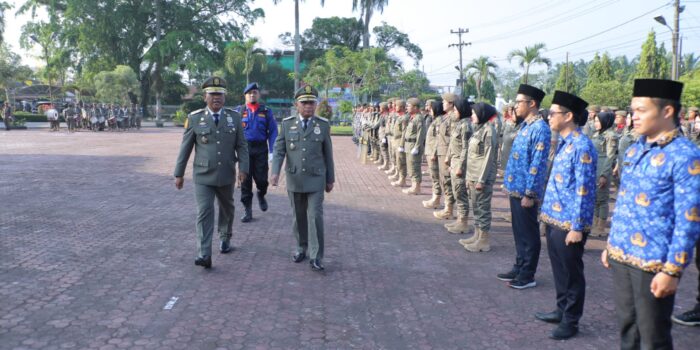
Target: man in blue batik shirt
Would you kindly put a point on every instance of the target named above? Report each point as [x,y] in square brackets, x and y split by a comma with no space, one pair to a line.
[260,129]
[567,211]
[657,217]
[524,182]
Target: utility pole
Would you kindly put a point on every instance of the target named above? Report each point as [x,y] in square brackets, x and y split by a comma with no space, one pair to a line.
[297,44]
[459,45]
[676,20]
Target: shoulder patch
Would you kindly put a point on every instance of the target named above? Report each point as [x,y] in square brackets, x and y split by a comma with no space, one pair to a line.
[198,111]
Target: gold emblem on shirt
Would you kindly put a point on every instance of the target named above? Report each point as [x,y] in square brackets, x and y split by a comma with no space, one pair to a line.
[556,207]
[695,170]
[540,146]
[631,152]
[510,178]
[558,178]
[516,155]
[692,215]
[569,148]
[582,191]
[586,158]
[638,240]
[681,257]
[622,192]
[533,171]
[658,160]
[642,199]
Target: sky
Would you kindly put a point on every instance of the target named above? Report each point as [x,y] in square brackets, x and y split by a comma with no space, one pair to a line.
[496,27]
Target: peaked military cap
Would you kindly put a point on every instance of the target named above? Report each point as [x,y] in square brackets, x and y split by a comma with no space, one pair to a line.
[413,101]
[251,86]
[529,90]
[572,102]
[658,88]
[449,97]
[306,93]
[214,85]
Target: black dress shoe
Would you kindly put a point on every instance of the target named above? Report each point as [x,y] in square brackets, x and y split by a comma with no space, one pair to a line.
[508,276]
[262,202]
[316,265]
[225,247]
[298,257]
[563,332]
[204,261]
[549,317]
[248,215]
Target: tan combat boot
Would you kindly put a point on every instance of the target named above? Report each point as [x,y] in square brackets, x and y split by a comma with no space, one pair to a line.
[446,213]
[466,241]
[594,229]
[602,225]
[481,245]
[390,170]
[461,225]
[401,182]
[432,203]
[414,189]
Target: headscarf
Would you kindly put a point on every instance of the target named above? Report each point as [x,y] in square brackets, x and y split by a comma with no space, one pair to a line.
[606,120]
[484,111]
[436,106]
[463,107]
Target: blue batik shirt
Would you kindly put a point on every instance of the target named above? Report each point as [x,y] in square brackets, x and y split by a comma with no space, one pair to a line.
[527,165]
[570,196]
[657,215]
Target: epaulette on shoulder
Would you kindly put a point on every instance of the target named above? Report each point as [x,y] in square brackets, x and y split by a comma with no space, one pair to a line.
[289,118]
[322,118]
[198,111]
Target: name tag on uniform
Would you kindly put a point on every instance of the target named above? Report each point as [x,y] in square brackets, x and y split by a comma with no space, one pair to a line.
[317,130]
[230,122]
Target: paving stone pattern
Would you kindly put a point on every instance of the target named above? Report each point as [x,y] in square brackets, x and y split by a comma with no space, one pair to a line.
[95,241]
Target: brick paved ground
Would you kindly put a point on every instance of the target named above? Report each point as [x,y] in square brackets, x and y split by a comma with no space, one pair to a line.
[95,240]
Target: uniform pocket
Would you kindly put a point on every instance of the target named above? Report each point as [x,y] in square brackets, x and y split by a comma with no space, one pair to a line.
[201,162]
[292,169]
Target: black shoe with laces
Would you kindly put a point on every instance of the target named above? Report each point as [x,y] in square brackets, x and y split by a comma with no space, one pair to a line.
[688,318]
[508,276]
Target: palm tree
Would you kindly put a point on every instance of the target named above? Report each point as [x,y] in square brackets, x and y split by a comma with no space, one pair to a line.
[689,63]
[367,8]
[481,69]
[297,40]
[531,55]
[243,56]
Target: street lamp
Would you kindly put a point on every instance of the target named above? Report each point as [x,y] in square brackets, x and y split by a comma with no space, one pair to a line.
[674,39]
[461,80]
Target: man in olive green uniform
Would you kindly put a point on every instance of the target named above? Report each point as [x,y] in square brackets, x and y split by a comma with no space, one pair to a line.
[605,141]
[305,142]
[216,134]
[413,144]
[443,142]
[399,179]
[589,128]
[382,133]
[389,127]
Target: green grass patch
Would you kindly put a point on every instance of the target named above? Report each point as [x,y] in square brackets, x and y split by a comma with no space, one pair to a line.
[339,130]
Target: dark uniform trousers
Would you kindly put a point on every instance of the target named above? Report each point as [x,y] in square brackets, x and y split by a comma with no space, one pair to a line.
[258,156]
[205,194]
[526,232]
[308,222]
[645,321]
[567,267]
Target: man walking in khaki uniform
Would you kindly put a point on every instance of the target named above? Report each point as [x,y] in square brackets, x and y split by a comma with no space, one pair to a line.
[305,142]
[216,134]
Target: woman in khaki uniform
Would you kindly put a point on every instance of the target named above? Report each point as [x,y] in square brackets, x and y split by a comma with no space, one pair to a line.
[457,161]
[433,123]
[605,142]
[481,174]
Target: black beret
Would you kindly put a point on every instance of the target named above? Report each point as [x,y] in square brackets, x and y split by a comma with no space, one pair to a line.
[529,90]
[658,88]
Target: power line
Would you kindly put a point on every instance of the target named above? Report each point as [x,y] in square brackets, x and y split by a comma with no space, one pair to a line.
[607,30]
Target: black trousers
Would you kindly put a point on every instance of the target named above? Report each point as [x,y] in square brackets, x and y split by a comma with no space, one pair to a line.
[567,267]
[645,321]
[526,232]
[257,151]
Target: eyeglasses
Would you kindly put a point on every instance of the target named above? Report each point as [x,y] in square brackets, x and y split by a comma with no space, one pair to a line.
[517,102]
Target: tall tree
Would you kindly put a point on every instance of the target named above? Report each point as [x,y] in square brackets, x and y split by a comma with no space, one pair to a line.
[388,37]
[529,56]
[566,81]
[367,8]
[4,6]
[297,40]
[111,32]
[481,69]
[600,70]
[11,70]
[326,33]
[652,60]
[243,56]
[689,63]
[116,86]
